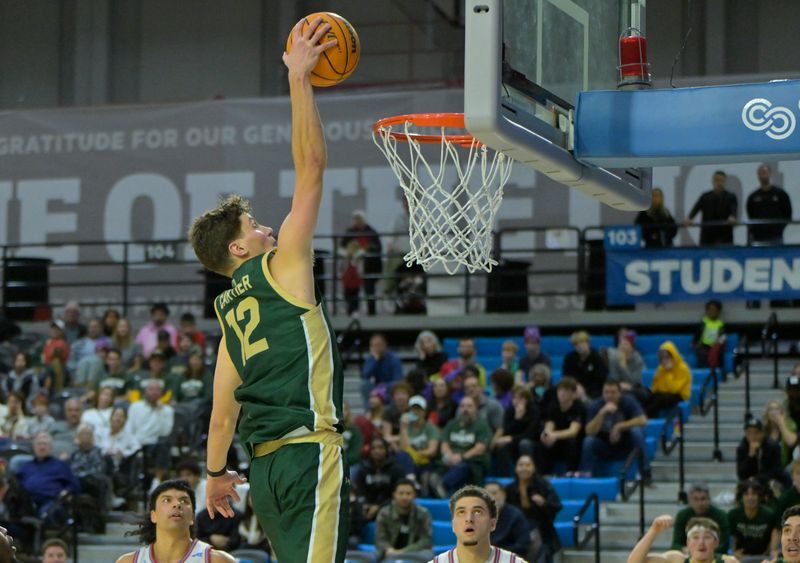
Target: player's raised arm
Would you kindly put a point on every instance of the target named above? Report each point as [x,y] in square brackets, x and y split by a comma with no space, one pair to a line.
[641,552]
[309,154]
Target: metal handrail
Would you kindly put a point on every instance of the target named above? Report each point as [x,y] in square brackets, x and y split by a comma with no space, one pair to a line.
[713,403]
[769,334]
[668,444]
[626,491]
[351,344]
[744,361]
[594,527]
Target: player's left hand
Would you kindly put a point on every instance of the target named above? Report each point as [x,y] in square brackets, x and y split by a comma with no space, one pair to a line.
[218,489]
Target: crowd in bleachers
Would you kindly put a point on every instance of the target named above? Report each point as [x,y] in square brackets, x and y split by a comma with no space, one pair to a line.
[94,417]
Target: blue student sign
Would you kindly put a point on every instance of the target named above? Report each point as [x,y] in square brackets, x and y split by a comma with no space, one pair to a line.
[689,274]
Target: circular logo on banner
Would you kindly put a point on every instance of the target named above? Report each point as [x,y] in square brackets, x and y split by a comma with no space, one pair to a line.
[759,115]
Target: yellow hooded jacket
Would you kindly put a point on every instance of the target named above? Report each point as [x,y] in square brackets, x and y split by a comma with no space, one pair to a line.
[676,380]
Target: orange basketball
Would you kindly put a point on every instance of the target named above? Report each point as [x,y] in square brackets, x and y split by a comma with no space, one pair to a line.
[339,61]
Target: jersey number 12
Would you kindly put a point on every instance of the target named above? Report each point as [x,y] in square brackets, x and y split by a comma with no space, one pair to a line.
[247,308]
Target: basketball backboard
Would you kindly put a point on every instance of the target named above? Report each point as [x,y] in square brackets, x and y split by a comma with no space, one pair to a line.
[525,62]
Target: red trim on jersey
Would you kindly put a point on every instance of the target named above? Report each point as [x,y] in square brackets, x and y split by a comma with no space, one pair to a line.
[450,557]
[135,556]
[496,555]
[208,554]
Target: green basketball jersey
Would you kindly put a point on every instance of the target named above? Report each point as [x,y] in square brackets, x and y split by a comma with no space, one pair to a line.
[286,355]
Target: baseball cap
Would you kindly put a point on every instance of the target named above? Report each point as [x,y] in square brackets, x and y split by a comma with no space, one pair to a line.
[753,423]
[532,333]
[418,401]
[793,381]
[58,323]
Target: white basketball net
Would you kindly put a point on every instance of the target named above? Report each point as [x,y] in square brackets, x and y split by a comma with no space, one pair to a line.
[451,225]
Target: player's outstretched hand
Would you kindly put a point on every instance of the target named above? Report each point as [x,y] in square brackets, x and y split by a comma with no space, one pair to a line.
[218,489]
[306,46]
[661,523]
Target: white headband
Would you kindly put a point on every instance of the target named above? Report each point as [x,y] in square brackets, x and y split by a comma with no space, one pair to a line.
[701,527]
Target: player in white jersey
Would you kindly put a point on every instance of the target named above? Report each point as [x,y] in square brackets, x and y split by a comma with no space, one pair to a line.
[168,535]
[474,517]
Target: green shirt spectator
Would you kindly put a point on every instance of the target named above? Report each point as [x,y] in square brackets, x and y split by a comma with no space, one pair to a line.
[700,505]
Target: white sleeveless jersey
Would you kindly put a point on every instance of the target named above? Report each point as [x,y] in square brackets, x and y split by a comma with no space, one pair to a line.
[198,552]
[497,555]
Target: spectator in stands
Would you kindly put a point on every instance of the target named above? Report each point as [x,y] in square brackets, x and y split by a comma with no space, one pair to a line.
[418,380]
[430,356]
[489,409]
[41,421]
[401,393]
[250,531]
[99,416]
[672,382]
[55,550]
[717,205]
[189,470]
[166,344]
[781,428]
[700,506]
[502,381]
[509,356]
[382,366]
[563,428]
[220,533]
[533,353]
[120,446]
[658,225]
[91,369]
[757,456]
[353,438]
[22,378]
[376,408]
[179,363]
[709,339]
[157,370]
[451,370]
[521,427]
[442,408]
[465,448]
[55,356]
[792,402]
[73,328]
[109,321]
[147,337]
[625,364]
[539,502]
[188,326]
[791,496]
[368,241]
[197,384]
[86,346]
[65,431]
[47,479]
[404,527]
[115,375]
[151,422]
[702,543]
[15,424]
[753,524]
[418,437]
[130,351]
[539,382]
[89,466]
[768,203]
[613,429]
[586,365]
[376,478]
[512,531]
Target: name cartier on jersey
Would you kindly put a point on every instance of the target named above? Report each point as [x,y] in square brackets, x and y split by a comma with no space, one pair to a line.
[235,291]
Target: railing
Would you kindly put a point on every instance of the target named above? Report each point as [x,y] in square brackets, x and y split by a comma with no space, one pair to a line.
[351,344]
[712,403]
[671,439]
[628,487]
[744,363]
[769,340]
[594,527]
[550,263]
